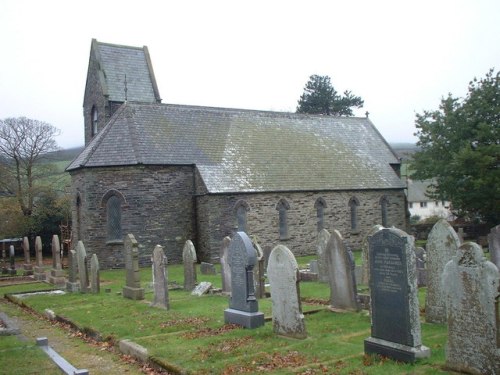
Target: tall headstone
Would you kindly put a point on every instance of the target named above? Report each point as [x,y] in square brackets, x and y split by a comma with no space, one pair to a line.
[95,280]
[395,329]
[365,261]
[12,260]
[189,259]
[321,243]
[243,306]
[340,262]
[72,284]
[283,274]
[494,245]
[28,268]
[39,268]
[5,270]
[471,285]
[420,257]
[132,289]
[81,255]
[442,245]
[56,273]
[259,277]
[160,279]
[224,263]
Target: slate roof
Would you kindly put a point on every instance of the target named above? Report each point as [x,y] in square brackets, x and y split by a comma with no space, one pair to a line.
[247,151]
[118,61]
[417,190]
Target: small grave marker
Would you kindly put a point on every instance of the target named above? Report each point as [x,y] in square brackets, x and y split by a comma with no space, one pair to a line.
[207,269]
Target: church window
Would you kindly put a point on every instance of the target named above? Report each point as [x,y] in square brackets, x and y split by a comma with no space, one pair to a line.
[383,209]
[94,121]
[241,208]
[282,207]
[113,202]
[353,205]
[320,206]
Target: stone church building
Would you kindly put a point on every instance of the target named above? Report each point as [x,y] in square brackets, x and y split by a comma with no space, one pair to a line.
[168,173]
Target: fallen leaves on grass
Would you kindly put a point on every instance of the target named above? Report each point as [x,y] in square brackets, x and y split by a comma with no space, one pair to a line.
[188,321]
[225,347]
[314,301]
[210,331]
[269,362]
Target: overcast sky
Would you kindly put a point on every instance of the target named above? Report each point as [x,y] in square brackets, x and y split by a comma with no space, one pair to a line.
[400,56]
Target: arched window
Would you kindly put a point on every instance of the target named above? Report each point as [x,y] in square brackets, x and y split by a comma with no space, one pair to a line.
[320,206]
[113,201]
[282,207]
[353,204]
[94,121]
[383,210]
[240,209]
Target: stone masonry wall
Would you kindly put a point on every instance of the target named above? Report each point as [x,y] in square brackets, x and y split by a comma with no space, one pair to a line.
[157,209]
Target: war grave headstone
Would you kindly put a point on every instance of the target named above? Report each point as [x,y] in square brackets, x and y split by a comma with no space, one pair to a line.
[56,273]
[160,279]
[243,306]
[27,266]
[321,243]
[207,269]
[365,261]
[224,263]
[72,284]
[283,274]
[494,245]
[189,259]
[395,328]
[259,277]
[442,245]
[81,256]
[39,268]
[471,285]
[12,261]
[420,264]
[95,280]
[340,263]
[132,289]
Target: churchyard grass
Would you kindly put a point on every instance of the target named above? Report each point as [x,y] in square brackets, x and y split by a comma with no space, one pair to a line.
[192,335]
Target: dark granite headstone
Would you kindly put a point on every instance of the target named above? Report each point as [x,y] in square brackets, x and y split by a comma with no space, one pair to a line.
[395,330]
[243,306]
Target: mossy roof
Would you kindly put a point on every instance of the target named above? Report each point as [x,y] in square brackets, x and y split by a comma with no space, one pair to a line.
[247,151]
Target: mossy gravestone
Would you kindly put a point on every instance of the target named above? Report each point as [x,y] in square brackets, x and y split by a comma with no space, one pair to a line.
[243,306]
[394,301]
[133,288]
[471,285]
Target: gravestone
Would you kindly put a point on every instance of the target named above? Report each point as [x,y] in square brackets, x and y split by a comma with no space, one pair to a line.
[72,285]
[471,285]
[189,260]
[420,264]
[39,268]
[442,245]
[494,245]
[56,273]
[160,279]
[259,277]
[283,271]
[395,328]
[202,288]
[132,289]
[28,268]
[243,306]
[224,263]
[313,266]
[207,269]
[321,243]
[5,270]
[365,261]
[340,263]
[12,260]
[81,255]
[95,280]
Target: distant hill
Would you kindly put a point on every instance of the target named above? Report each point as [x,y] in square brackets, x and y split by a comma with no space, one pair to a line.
[404,150]
[64,155]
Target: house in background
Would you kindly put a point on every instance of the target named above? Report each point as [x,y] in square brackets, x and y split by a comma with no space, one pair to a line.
[424,207]
[168,173]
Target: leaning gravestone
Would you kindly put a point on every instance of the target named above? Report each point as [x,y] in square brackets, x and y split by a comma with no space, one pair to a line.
[81,255]
[95,280]
[72,285]
[132,289]
[189,260]
[12,260]
[56,273]
[224,264]
[283,271]
[365,261]
[259,277]
[321,243]
[494,245]
[471,285]
[39,273]
[395,330]
[160,279]
[442,245]
[243,306]
[28,268]
[340,263]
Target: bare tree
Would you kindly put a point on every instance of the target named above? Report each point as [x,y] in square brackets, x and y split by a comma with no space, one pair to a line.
[23,144]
